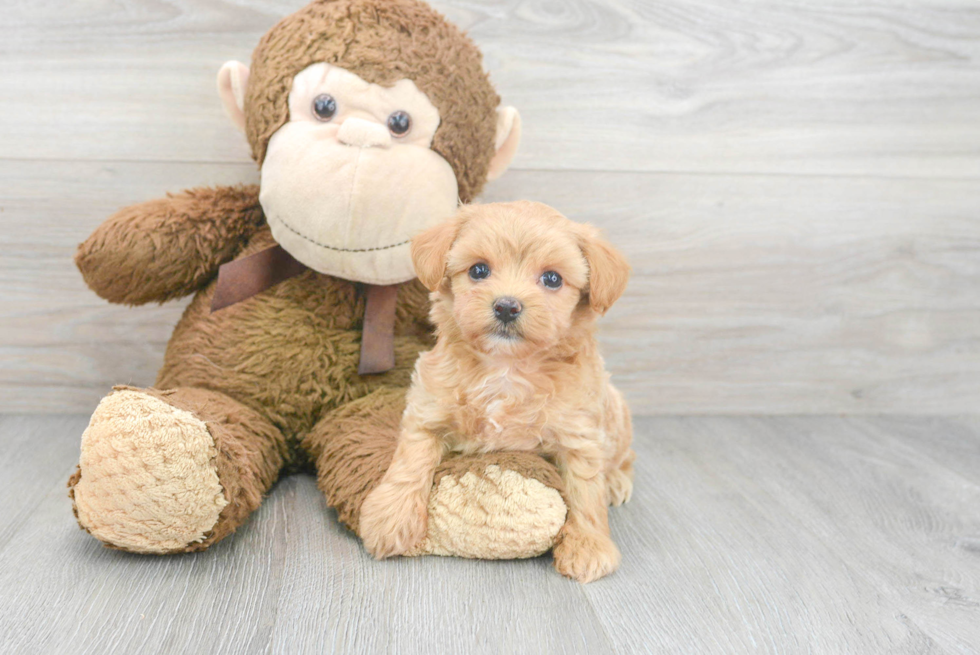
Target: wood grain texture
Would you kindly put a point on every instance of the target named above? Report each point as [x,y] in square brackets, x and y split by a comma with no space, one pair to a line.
[721,566]
[34,452]
[763,294]
[422,605]
[750,293]
[794,182]
[769,535]
[917,516]
[831,87]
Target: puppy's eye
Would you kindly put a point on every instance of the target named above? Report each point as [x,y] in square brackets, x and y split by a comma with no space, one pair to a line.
[479,272]
[551,279]
[400,123]
[324,107]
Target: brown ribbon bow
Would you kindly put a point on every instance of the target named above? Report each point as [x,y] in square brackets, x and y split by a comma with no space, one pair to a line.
[243,278]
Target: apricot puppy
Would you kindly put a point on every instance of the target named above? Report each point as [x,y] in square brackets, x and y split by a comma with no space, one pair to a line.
[516,290]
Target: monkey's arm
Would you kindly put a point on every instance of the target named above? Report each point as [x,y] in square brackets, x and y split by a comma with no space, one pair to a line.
[170,247]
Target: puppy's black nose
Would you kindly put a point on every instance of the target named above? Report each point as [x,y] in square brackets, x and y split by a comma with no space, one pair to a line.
[506,309]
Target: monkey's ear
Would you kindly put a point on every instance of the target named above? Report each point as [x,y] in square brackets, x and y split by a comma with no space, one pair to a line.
[232,79]
[429,251]
[506,142]
[608,270]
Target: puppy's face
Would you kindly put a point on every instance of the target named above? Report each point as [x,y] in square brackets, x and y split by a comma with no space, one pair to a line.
[516,277]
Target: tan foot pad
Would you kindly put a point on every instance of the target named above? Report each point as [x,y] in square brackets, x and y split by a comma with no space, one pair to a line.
[499,515]
[148,480]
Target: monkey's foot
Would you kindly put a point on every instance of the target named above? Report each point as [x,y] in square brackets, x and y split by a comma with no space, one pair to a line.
[147,480]
[499,506]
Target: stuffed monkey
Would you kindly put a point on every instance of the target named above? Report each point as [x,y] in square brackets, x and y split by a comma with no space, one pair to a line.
[370,121]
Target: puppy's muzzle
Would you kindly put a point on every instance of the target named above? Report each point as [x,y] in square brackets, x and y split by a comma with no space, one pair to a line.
[507,309]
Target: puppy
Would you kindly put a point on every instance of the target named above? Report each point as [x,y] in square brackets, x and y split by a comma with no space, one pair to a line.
[516,289]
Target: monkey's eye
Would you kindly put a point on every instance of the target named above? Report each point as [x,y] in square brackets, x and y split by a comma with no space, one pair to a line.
[399,123]
[324,107]
[551,279]
[479,271]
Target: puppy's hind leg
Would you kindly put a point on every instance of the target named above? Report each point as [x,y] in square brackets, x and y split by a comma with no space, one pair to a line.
[619,432]
[619,481]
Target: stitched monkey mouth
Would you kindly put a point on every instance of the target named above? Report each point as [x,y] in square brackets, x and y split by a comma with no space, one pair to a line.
[298,233]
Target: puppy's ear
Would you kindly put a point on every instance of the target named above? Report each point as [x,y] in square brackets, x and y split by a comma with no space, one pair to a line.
[429,251]
[608,270]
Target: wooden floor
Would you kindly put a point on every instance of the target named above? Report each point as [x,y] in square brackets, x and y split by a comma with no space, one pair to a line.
[773,535]
[796,185]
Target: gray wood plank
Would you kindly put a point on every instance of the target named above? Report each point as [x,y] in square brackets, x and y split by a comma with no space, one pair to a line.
[36,451]
[811,534]
[750,294]
[343,601]
[785,295]
[908,520]
[875,510]
[841,87]
[65,592]
[47,209]
[714,564]
[291,581]
[952,442]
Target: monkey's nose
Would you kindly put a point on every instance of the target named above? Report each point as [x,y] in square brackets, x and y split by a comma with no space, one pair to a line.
[507,309]
[364,134]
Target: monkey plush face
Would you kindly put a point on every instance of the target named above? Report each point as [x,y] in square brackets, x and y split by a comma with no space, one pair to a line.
[351,177]
[368,132]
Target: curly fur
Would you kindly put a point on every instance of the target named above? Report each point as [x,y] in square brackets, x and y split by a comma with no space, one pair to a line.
[534,384]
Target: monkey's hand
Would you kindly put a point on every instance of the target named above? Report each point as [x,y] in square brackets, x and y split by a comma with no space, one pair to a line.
[170,247]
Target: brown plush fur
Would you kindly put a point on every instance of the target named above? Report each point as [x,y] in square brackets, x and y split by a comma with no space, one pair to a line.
[275,376]
[534,384]
[291,351]
[370,38]
[170,247]
[251,452]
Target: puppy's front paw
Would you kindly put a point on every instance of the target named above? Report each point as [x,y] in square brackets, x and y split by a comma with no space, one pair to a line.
[585,555]
[392,521]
